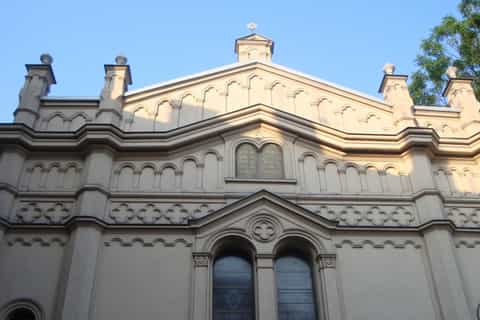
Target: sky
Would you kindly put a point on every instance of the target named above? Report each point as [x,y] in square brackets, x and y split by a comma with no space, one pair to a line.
[344,42]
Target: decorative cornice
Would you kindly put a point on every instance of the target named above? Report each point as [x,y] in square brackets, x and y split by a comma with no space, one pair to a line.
[41,240]
[378,244]
[145,242]
[332,226]
[398,143]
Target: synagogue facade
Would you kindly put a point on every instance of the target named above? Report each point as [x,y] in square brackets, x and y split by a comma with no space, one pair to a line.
[249,191]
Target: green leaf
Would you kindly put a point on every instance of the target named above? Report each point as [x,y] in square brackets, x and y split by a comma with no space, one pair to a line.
[452,42]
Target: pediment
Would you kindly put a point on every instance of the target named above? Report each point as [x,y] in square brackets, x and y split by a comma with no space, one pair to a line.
[191,99]
[254,36]
[265,218]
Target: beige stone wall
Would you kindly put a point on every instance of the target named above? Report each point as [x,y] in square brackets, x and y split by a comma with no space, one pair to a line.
[147,276]
[125,218]
[31,268]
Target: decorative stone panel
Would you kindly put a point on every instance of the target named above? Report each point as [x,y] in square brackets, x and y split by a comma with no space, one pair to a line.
[158,213]
[44,240]
[464,216]
[45,175]
[264,228]
[378,243]
[33,211]
[368,215]
[145,241]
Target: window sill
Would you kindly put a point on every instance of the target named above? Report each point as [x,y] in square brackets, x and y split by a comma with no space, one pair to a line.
[260,180]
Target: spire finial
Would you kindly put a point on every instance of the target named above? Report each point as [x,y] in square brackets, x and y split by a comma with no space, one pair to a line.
[452,72]
[252,26]
[45,58]
[389,68]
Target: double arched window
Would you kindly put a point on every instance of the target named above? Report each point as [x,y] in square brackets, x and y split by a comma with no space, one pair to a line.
[263,163]
[233,287]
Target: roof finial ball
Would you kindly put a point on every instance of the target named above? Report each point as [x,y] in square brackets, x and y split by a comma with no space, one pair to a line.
[252,26]
[121,59]
[389,68]
[452,72]
[45,58]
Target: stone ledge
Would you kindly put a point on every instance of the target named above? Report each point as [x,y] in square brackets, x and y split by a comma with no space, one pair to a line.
[260,180]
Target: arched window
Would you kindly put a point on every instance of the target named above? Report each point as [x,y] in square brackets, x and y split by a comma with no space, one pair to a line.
[266,163]
[246,160]
[295,295]
[271,162]
[21,314]
[233,296]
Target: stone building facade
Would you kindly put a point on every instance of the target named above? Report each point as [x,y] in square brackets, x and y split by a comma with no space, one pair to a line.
[250,191]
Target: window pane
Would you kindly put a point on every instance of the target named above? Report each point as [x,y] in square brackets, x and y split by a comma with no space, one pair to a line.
[271,162]
[246,161]
[294,289]
[232,289]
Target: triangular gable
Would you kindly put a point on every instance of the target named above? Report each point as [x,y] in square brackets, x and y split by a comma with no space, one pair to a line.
[254,36]
[268,199]
[227,70]
[192,99]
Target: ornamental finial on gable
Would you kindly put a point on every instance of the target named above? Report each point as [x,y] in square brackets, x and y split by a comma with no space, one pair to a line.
[252,26]
[253,47]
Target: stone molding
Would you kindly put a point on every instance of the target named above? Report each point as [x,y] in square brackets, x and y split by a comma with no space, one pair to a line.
[378,244]
[130,241]
[132,141]
[29,240]
[467,244]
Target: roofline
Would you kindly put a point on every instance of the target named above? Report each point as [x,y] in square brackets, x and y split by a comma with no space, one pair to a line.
[248,63]
[66,98]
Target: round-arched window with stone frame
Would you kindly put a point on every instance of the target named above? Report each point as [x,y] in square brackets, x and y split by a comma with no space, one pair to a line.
[233,296]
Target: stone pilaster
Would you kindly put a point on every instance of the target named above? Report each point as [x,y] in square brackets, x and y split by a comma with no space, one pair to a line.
[327,264]
[438,239]
[79,272]
[117,79]
[395,92]
[201,262]
[37,84]
[429,203]
[267,293]
[11,166]
[81,257]
[94,193]
[446,274]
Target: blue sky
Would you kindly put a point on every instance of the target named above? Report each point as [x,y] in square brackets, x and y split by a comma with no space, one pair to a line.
[345,42]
